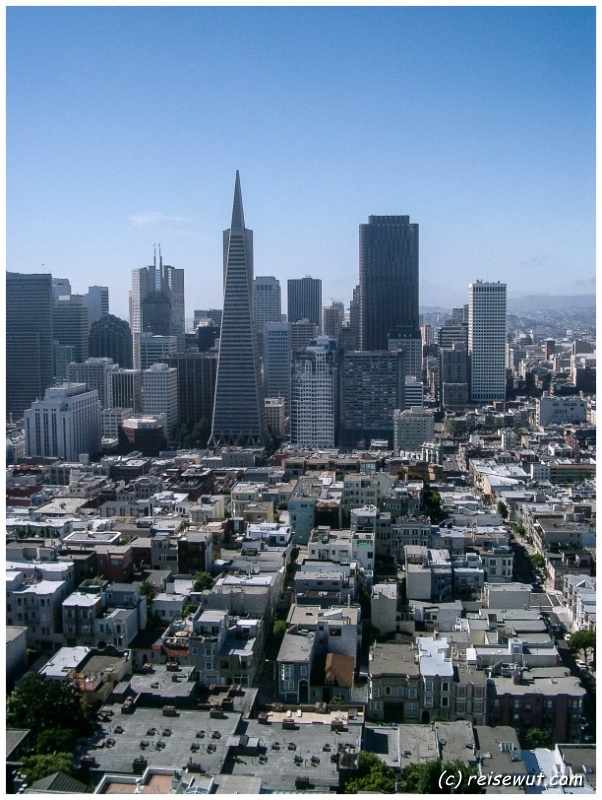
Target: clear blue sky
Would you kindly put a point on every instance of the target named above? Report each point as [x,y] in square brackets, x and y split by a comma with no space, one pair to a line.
[125,127]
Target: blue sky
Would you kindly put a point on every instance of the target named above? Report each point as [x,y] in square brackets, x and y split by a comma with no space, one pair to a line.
[125,127]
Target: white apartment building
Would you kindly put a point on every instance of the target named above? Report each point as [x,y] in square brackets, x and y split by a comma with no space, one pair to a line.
[65,424]
[111,419]
[312,397]
[550,410]
[487,341]
[411,428]
[160,395]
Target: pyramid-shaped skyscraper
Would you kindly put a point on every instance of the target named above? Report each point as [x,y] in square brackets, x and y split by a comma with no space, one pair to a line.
[238,413]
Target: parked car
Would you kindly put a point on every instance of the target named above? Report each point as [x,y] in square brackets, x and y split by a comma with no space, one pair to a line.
[581,665]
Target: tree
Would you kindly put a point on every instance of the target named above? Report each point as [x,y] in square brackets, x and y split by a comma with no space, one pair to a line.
[149,591]
[202,581]
[40,704]
[502,509]
[538,561]
[372,776]
[56,740]
[189,609]
[425,778]
[585,641]
[38,766]
[536,737]
[279,628]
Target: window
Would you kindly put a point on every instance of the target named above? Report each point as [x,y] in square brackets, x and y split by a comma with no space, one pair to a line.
[303,672]
[428,702]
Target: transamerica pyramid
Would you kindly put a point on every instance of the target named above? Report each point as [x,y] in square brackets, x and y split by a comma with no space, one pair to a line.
[238,412]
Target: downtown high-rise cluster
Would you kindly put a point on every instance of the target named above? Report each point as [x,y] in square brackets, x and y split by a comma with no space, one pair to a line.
[248,376]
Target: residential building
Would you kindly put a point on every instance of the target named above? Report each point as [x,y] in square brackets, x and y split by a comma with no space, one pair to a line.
[411,428]
[313,396]
[371,387]
[553,410]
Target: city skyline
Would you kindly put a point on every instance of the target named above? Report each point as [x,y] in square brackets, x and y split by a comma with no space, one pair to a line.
[488,144]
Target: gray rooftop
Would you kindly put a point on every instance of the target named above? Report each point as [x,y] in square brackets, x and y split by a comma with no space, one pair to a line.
[392,659]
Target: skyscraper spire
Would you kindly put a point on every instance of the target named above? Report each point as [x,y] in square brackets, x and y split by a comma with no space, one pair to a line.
[238,413]
[238,217]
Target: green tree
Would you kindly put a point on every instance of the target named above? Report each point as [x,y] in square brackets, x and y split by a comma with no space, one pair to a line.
[41,704]
[586,642]
[538,561]
[425,778]
[202,581]
[502,509]
[56,740]
[189,608]
[38,766]
[372,776]
[149,591]
[536,737]
[279,628]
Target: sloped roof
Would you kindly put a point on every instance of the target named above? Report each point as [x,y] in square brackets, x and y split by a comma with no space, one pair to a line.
[339,668]
[58,782]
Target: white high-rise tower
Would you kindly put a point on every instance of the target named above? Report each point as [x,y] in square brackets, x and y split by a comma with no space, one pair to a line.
[487,341]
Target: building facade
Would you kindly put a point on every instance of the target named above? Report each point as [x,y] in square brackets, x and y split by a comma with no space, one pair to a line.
[29,339]
[65,424]
[305,300]
[238,412]
[487,341]
[388,279]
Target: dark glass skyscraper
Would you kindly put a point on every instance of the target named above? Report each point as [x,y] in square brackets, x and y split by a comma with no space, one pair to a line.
[111,337]
[388,279]
[304,300]
[238,413]
[28,339]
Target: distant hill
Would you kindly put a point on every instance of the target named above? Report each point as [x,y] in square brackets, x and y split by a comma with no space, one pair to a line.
[551,302]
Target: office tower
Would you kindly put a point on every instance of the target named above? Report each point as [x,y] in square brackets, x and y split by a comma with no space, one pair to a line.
[65,424]
[149,349]
[63,355]
[302,333]
[70,325]
[238,412]
[388,279]
[353,337]
[111,337]
[460,314]
[207,337]
[549,348]
[277,362]
[413,392]
[411,343]
[412,428]
[487,341]
[313,395]
[97,302]
[125,389]
[428,335]
[453,374]
[29,341]
[160,395]
[157,300]
[94,372]
[267,304]
[61,288]
[371,387]
[453,331]
[196,388]
[213,314]
[333,317]
[305,300]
